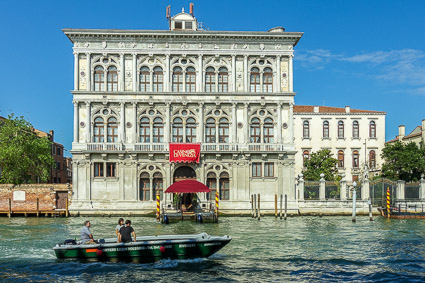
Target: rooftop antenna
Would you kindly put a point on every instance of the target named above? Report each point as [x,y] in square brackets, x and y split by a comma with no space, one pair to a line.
[191,9]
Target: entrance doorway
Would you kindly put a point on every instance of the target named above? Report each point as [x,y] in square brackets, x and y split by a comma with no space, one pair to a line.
[187,200]
[61,198]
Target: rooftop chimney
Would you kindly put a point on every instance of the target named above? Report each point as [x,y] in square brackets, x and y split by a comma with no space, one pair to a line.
[191,9]
[347,109]
[401,132]
[316,109]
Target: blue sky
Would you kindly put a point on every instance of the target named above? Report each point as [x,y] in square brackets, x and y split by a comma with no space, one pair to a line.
[366,54]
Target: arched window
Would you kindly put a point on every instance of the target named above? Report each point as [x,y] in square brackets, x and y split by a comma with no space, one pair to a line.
[210,79]
[340,130]
[223,131]
[145,130]
[145,186]
[355,129]
[224,186]
[158,185]
[210,131]
[112,78]
[212,185]
[158,130]
[268,131]
[190,79]
[158,79]
[340,159]
[99,130]
[372,129]
[190,130]
[112,130]
[254,80]
[306,156]
[177,79]
[267,80]
[325,129]
[372,159]
[306,129]
[355,159]
[145,79]
[223,80]
[99,78]
[255,134]
[177,130]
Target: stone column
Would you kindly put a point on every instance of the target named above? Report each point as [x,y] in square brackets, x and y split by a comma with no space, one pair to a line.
[322,187]
[234,125]
[167,123]
[76,71]
[291,123]
[400,190]
[233,73]
[291,74]
[167,87]
[278,74]
[279,123]
[135,122]
[422,188]
[343,189]
[89,86]
[365,189]
[88,122]
[122,122]
[201,123]
[245,72]
[122,72]
[134,72]
[246,124]
[300,187]
[76,121]
[200,74]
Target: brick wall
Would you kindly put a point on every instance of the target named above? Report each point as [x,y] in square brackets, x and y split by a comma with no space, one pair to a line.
[24,197]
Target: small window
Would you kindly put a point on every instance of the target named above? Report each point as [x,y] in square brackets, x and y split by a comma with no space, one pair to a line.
[98,169]
[110,169]
[306,156]
[340,159]
[178,25]
[188,25]
[269,169]
[58,166]
[325,129]
[355,159]
[256,169]
[306,129]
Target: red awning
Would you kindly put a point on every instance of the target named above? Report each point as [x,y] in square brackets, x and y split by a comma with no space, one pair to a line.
[187,186]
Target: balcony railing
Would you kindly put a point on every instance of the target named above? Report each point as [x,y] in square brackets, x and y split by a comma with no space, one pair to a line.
[158,147]
[219,147]
[265,147]
[104,147]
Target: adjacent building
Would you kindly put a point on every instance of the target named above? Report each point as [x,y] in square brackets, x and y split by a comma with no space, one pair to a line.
[144,99]
[355,137]
[417,135]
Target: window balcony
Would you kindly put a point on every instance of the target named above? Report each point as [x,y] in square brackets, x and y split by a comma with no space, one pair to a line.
[219,147]
[152,147]
[264,147]
[104,147]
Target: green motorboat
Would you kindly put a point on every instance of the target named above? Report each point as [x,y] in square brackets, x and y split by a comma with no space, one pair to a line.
[145,249]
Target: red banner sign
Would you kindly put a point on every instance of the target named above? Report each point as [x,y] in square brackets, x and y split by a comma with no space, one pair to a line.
[185,152]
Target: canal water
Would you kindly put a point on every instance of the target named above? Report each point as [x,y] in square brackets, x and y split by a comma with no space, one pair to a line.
[299,249]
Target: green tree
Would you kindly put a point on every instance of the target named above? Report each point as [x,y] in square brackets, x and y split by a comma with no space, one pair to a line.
[403,161]
[23,155]
[321,162]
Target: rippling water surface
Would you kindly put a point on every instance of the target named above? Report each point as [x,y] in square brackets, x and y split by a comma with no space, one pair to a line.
[299,249]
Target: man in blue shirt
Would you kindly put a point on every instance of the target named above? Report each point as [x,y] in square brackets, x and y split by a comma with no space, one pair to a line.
[86,236]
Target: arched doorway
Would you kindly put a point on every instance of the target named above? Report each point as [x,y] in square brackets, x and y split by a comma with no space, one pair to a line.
[185,201]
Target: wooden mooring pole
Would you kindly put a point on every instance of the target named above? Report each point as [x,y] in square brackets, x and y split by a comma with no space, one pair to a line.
[158,211]
[369,202]
[275,206]
[10,208]
[281,197]
[252,206]
[38,207]
[259,212]
[255,206]
[66,211]
[286,206]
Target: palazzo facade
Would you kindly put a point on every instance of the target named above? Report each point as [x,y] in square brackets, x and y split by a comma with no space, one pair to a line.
[136,91]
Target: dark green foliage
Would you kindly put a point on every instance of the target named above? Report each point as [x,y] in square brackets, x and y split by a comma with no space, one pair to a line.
[321,162]
[403,161]
[23,155]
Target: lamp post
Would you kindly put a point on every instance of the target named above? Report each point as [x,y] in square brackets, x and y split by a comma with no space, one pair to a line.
[353,218]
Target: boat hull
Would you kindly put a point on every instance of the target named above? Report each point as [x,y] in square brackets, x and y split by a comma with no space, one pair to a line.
[396,214]
[146,250]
